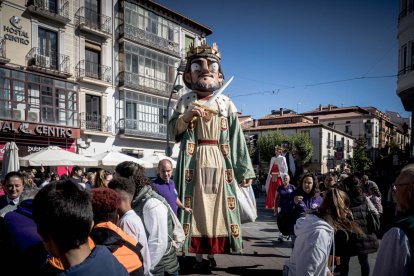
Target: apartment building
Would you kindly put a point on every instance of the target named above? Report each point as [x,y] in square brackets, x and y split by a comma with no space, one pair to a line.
[331,147]
[39,96]
[362,122]
[90,75]
[405,82]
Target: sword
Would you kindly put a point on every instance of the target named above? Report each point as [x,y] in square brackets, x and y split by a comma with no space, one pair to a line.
[210,101]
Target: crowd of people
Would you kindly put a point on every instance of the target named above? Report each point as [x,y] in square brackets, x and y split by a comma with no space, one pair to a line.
[125,228]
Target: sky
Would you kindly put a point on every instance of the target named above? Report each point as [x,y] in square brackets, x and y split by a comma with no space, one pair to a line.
[298,54]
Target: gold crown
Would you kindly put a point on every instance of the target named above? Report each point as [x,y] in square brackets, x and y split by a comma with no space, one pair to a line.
[203,50]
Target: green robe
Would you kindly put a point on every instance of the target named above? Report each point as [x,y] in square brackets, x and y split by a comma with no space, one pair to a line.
[213,159]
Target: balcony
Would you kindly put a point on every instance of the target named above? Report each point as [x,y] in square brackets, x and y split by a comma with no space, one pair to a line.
[93,22]
[49,62]
[50,10]
[145,84]
[3,59]
[134,127]
[149,39]
[91,123]
[94,73]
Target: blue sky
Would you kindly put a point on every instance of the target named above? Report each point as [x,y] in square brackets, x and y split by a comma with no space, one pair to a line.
[307,52]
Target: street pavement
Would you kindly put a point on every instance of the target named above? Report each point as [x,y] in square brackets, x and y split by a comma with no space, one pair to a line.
[262,254]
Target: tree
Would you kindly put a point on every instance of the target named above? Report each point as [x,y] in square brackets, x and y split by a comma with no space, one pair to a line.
[303,144]
[301,141]
[360,161]
[266,144]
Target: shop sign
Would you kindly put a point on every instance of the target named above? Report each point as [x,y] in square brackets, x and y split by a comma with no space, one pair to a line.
[15,32]
[35,129]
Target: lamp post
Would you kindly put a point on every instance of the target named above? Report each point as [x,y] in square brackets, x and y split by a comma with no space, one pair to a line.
[175,89]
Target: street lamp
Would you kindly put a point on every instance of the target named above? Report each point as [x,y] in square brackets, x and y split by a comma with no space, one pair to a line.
[175,89]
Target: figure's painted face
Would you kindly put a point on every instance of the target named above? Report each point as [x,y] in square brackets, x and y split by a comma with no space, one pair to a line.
[204,74]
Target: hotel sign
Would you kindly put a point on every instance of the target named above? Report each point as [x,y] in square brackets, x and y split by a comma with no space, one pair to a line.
[38,130]
[15,32]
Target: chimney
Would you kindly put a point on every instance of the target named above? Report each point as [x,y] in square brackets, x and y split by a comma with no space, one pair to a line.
[320,107]
[255,122]
[316,120]
[329,107]
[281,111]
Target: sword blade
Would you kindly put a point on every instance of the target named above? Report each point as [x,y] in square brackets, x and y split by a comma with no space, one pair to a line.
[218,92]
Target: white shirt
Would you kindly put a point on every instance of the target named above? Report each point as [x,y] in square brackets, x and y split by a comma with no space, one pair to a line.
[292,166]
[132,224]
[394,256]
[156,222]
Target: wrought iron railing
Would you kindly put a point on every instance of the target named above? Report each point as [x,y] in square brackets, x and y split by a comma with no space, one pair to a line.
[138,35]
[136,127]
[48,60]
[50,6]
[146,84]
[93,20]
[95,122]
[93,70]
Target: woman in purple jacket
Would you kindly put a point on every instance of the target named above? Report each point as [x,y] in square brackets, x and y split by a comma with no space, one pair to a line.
[306,198]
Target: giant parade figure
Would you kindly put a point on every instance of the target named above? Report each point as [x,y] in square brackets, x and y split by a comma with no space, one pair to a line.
[213,157]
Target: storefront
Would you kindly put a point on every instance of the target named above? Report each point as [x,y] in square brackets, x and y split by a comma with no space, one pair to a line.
[32,137]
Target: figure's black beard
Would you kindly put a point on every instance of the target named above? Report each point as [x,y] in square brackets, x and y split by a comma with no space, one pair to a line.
[206,87]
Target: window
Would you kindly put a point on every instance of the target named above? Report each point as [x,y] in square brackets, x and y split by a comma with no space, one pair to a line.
[34,98]
[347,129]
[159,31]
[51,5]
[92,63]
[145,115]
[403,59]
[47,49]
[148,68]
[188,41]
[92,13]
[93,112]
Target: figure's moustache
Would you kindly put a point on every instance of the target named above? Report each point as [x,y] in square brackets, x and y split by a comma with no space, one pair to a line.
[208,87]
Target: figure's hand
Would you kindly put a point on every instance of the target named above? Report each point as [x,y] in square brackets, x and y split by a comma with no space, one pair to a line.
[196,111]
[246,183]
[188,210]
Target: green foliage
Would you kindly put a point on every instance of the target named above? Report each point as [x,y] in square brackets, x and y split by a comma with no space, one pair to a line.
[359,162]
[301,141]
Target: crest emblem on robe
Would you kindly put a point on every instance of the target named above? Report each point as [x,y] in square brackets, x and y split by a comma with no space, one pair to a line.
[186,228]
[190,148]
[187,202]
[235,232]
[229,175]
[223,124]
[231,202]
[189,175]
[225,149]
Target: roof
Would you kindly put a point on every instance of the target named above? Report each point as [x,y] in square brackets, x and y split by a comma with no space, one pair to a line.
[332,116]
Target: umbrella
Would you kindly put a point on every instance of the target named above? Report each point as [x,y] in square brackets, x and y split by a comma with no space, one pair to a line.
[113,158]
[55,156]
[154,159]
[10,158]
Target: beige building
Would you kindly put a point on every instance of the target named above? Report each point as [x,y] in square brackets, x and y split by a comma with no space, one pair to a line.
[100,70]
[363,122]
[331,147]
